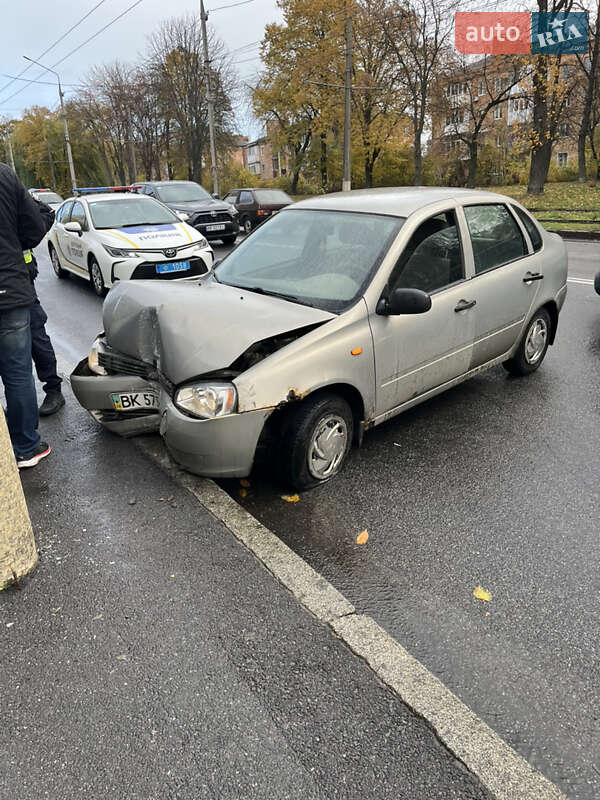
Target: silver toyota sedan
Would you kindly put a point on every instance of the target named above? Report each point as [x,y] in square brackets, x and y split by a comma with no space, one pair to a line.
[335,315]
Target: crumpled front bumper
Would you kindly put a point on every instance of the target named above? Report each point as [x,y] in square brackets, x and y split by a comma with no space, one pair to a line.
[215,448]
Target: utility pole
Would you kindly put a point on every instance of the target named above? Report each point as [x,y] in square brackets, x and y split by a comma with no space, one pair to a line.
[132,161]
[210,101]
[347,177]
[51,165]
[64,119]
[10,152]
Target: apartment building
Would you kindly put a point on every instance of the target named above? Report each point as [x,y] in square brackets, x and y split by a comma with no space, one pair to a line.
[265,160]
[460,105]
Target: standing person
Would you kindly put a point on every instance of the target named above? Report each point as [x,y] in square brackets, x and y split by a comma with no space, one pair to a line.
[22,226]
[42,351]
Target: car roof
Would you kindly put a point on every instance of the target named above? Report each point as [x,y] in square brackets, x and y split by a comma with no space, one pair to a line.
[107,196]
[396,201]
[161,183]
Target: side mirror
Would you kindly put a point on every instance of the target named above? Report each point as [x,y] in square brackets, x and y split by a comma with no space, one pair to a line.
[404,301]
[215,196]
[74,227]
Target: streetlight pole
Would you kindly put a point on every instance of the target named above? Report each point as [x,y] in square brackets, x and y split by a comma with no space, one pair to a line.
[10,151]
[64,119]
[211,103]
[347,173]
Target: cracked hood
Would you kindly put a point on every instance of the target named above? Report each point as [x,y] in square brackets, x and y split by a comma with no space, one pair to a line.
[190,329]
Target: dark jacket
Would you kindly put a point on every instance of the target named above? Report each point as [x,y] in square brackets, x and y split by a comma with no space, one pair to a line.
[22,225]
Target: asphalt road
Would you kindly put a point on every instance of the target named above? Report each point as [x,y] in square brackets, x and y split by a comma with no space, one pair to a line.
[494,483]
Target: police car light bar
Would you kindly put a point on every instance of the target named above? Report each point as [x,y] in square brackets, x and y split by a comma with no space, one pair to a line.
[101,189]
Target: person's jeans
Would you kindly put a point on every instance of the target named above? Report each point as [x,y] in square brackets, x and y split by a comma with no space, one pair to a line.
[17,377]
[42,351]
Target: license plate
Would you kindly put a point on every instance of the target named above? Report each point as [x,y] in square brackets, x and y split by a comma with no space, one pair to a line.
[134,401]
[177,266]
[215,227]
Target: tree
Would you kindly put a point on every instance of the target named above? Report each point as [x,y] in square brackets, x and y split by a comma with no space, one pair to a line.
[419,35]
[589,64]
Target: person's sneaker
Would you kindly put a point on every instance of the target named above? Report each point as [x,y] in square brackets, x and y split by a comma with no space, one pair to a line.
[52,403]
[33,458]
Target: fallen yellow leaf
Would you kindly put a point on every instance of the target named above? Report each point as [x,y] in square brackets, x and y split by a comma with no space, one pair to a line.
[482,594]
[362,538]
[243,492]
[290,498]
[244,483]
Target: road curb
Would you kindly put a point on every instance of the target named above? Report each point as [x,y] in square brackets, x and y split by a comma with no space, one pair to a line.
[498,767]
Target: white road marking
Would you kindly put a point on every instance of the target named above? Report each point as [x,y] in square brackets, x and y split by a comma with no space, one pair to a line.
[500,769]
[584,281]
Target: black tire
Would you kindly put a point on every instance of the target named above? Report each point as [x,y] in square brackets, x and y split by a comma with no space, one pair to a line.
[597,282]
[55,260]
[533,346]
[246,224]
[328,412]
[229,239]
[96,277]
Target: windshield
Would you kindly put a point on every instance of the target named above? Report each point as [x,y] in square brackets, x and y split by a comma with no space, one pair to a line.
[182,192]
[127,212]
[270,196]
[48,197]
[320,258]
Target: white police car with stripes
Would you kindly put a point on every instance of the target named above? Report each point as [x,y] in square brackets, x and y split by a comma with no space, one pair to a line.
[109,235]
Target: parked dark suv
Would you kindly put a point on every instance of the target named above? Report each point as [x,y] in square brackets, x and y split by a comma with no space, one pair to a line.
[255,205]
[213,218]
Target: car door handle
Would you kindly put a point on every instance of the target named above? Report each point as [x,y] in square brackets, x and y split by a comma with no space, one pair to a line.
[464,304]
[532,276]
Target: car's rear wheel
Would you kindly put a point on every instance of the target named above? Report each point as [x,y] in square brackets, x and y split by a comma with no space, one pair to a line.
[58,270]
[246,224]
[96,277]
[316,438]
[533,345]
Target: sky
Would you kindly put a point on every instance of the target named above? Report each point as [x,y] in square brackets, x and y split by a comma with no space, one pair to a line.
[29,28]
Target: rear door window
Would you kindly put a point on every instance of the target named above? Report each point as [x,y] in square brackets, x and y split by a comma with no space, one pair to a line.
[495,236]
[530,227]
[246,199]
[64,212]
[78,215]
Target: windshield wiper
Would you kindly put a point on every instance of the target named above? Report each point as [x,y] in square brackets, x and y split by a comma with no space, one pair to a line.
[139,224]
[259,290]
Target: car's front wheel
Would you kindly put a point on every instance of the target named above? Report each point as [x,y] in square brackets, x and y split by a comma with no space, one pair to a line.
[316,438]
[58,270]
[533,345]
[246,224]
[97,278]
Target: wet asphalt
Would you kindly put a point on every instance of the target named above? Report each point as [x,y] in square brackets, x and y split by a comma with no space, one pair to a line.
[493,484]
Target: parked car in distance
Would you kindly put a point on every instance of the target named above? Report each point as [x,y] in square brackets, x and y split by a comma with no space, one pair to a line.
[256,205]
[212,217]
[337,314]
[108,237]
[47,196]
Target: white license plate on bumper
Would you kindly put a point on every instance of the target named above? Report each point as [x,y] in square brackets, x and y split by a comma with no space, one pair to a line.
[215,227]
[135,401]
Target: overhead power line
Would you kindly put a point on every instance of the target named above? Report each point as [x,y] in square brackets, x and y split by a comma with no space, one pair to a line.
[233,5]
[31,80]
[52,46]
[75,49]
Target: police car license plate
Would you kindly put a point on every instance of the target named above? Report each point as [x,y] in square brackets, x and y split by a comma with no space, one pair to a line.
[178,266]
[215,227]
[134,401]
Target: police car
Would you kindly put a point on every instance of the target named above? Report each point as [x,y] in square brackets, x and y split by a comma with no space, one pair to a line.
[107,235]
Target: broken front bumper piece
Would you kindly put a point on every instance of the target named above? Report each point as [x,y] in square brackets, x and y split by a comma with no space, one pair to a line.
[217,448]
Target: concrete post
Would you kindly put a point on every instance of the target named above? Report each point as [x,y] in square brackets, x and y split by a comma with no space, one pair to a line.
[18,554]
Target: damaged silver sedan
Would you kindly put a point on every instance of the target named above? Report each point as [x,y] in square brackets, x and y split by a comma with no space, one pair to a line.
[335,315]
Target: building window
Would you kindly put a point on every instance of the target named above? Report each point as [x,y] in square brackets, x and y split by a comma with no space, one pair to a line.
[567,101]
[497,85]
[455,117]
[563,128]
[498,140]
[498,112]
[262,149]
[481,88]
[561,159]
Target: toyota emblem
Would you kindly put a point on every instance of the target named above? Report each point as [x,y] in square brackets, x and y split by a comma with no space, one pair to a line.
[213,213]
[170,252]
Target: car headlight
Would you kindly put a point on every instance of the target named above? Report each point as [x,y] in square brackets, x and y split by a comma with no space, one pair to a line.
[201,242]
[93,358]
[207,400]
[118,252]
